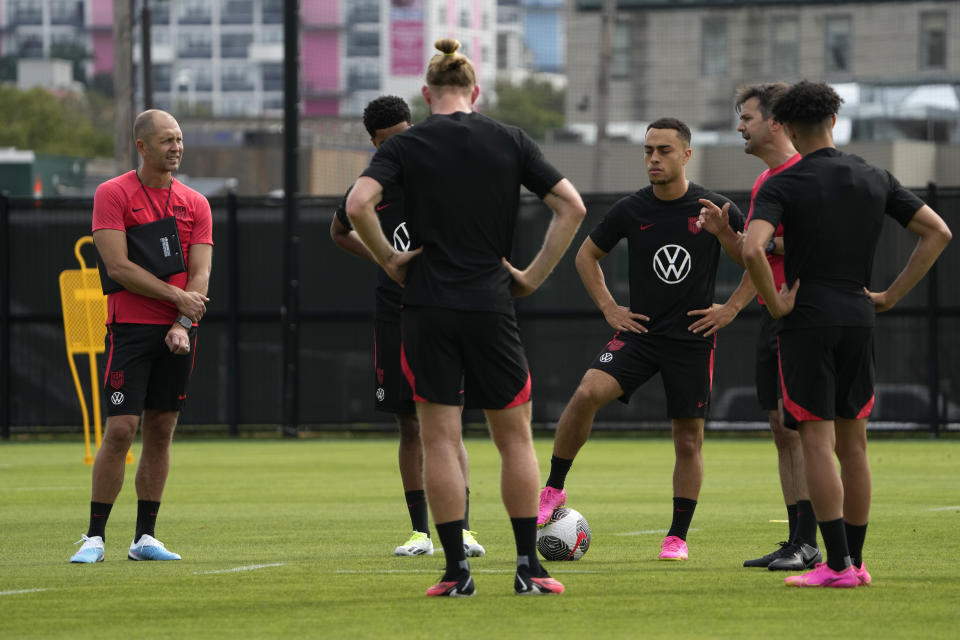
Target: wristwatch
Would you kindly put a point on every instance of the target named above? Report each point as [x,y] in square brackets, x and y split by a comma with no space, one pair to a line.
[185,322]
[771,246]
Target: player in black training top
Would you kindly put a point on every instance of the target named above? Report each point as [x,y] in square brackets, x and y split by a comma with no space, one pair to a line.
[832,206]
[383,118]
[673,267]
[461,174]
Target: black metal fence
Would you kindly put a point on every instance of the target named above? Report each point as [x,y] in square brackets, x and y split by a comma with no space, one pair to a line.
[237,383]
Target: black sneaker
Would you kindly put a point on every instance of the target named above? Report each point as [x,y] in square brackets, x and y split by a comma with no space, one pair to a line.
[527,584]
[770,557]
[460,588]
[800,556]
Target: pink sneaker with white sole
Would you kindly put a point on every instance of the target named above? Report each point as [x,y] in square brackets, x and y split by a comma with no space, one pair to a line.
[824,576]
[550,500]
[673,548]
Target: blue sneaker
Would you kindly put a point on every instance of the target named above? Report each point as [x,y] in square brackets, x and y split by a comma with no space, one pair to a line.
[90,552]
[149,548]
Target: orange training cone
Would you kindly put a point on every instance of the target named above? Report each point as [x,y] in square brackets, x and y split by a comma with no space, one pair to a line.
[37,191]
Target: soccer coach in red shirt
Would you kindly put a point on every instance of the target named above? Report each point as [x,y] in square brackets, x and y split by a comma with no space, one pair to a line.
[151,330]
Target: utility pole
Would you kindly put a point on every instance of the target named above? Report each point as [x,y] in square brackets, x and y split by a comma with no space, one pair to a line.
[607,15]
[146,55]
[122,86]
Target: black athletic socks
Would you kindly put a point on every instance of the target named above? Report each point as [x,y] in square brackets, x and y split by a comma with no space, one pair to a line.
[856,533]
[466,511]
[806,524]
[451,538]
[525,536]
[792,520]
[146,518]
[835,541]
[99,512]
[559,467]
[417,506]
[682,515]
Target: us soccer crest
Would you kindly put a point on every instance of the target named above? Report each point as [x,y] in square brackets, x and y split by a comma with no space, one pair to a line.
[693,225]
[116,379]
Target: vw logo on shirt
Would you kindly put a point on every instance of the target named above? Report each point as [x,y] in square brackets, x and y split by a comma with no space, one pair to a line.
[672,263]
[401,237]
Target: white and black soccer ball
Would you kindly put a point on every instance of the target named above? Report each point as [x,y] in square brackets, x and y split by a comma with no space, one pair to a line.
[565,536]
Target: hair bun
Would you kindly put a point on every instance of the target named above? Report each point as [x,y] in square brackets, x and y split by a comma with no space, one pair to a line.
[448,46]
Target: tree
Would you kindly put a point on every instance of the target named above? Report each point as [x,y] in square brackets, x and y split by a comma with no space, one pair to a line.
[534,106]
[45,123]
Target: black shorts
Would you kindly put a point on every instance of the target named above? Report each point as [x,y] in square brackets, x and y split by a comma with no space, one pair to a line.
[141,372]
[447,352]
[392,392]
[768,363]
[686,367]
[827,372]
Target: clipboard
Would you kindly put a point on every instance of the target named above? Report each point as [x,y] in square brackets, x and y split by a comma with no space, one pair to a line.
[155,246]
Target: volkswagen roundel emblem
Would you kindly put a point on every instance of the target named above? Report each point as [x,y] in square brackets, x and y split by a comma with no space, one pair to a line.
[606,357]
[672,263]
[381,394]
[401,237]
[116,398]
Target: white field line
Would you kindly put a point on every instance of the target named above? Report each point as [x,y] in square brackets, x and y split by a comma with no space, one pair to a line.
[19,591]
[361,572]
[249,567]
[648,532]
[957,508]
[43,488]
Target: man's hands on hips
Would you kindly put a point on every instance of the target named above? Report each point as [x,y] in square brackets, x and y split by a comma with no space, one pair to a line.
[178,340]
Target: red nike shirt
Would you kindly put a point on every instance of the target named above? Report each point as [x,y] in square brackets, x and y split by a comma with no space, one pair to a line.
[121,204]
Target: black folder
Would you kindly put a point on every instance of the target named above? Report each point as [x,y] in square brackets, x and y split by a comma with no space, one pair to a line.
[155,246]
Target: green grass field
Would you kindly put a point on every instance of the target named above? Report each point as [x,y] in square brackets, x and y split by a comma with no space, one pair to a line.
[295,538]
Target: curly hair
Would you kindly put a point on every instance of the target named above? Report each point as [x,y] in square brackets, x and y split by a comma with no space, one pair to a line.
[807,103]
[385,112]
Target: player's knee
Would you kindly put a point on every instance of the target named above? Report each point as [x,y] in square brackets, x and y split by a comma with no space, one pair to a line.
[120,432]
[587,398]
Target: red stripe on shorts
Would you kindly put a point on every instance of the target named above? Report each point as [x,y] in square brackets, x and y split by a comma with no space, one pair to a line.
[523,396]
[408,374]
[106,374]
[795,410]
[867,408]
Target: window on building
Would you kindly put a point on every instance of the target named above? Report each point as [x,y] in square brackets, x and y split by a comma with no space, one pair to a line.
[66,12]
[363,76]
[272,75]
[502,48]
[194,44]
[161,77]
[236,76]
[236,11]
[363,11]
[713,61]
[235,45]
[620,51]
[464,19]
[271,35]
[272,11]
[159,11]
[785,53]
[933,40]
[24,12]
[363,44]
[194,11]
[837,37]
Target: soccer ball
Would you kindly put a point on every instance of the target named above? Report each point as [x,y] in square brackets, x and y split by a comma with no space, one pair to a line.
[565,536]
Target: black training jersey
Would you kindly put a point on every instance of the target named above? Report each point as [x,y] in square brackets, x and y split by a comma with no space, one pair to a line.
[394,225]
[673,263]
[832,206]
[461,176]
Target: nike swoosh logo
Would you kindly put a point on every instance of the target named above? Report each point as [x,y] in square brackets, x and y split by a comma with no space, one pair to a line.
[700,405]
[140,209]
[381,207]
[644,227]
[181,397]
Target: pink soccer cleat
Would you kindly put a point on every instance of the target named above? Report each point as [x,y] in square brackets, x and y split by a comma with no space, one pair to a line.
[862,574]
[824,576]
[550,500]
[673,548]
